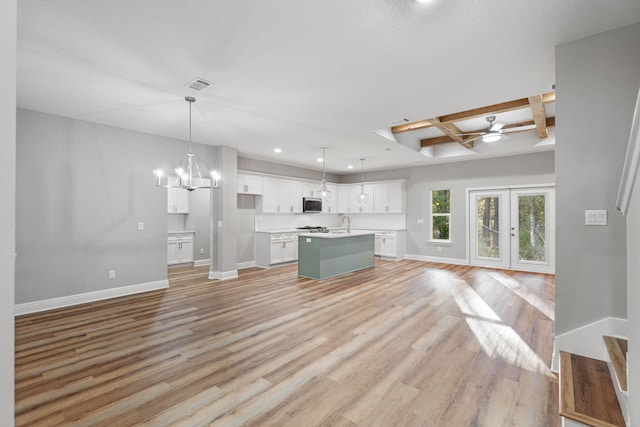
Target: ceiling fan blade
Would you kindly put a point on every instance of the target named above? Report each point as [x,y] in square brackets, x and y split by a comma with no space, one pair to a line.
[496,127]
[471,133]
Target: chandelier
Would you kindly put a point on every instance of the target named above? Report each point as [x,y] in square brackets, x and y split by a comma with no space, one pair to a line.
[189,175]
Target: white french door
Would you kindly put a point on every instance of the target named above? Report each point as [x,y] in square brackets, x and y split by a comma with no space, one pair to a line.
[513,228]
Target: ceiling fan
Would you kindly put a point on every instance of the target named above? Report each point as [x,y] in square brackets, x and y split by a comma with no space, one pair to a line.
[494,132]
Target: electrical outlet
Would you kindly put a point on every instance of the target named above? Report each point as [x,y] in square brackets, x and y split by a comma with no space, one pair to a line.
[439,248]
[141,226]
[112,274]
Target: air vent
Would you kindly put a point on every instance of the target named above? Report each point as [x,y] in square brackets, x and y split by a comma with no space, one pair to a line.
[397,122]
[198,84]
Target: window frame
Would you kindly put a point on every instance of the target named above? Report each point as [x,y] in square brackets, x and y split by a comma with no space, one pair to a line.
[432,215]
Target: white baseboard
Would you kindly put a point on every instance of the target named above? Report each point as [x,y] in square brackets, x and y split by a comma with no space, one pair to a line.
[247,264]
[455,261]
[587,340]
[53,303]
[223,275]
[201,262]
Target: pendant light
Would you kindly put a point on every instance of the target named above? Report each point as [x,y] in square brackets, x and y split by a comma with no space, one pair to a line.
[189,176]
[325,194]
[362,197]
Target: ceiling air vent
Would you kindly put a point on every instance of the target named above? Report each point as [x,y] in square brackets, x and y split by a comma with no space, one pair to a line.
[397,122]
[198,84]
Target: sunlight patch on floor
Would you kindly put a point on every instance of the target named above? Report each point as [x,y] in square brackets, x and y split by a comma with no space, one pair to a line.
[501,341]
[544,306]
[497,339]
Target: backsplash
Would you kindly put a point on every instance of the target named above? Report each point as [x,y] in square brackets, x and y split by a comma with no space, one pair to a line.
[269,222]
[176,222]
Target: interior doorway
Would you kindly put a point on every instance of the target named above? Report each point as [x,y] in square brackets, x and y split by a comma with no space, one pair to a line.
[513,228]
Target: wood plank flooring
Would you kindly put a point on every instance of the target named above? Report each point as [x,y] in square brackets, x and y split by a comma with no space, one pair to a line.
[405,343]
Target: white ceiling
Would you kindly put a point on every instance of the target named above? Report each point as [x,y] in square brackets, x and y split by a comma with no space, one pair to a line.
[299,75]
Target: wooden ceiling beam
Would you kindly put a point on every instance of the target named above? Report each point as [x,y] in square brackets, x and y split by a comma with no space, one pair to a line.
[452,132]
[439,140]
[421,124]
[502,107]
[539,115]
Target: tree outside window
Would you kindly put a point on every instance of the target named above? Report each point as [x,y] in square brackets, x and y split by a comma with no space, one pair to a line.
[440,214]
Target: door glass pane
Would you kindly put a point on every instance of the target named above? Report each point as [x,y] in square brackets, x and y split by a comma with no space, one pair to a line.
[488,226]
[531,225]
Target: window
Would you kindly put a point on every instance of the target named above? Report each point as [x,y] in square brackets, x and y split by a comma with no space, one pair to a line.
[440,215]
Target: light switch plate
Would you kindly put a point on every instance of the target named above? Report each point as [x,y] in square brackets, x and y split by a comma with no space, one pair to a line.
[595,217]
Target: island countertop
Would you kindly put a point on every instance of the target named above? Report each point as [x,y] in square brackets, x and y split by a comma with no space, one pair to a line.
[338,234]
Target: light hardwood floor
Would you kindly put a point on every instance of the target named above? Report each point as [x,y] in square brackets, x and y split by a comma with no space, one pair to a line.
[405,343]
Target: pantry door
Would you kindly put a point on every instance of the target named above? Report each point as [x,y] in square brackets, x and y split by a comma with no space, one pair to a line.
[513,228]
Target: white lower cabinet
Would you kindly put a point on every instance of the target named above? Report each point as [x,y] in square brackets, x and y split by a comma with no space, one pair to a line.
[276,248]
[390,244]
[180,248]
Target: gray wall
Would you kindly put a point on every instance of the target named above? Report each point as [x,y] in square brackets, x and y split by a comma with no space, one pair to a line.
[199,218]
[262,166]
[246,226]
[515,170]
[633,302]
[597,82]
[82,189]
[224,222]
[8,21]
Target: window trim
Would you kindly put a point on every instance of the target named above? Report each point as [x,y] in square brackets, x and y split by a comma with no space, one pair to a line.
[432,215]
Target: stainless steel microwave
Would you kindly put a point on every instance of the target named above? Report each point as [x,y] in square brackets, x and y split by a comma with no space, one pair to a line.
[310,204]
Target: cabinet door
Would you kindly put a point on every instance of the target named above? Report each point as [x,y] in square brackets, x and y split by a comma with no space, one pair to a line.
[284,205]
[270,189]
[295,197]
[289,250]
[331,205]
[177,200]
[249,184]
[344,191]
[276,251]
[377,248]
[172,253]
[310,190]
[381,198]
[356,207]
[390,247]
[396,197]
[186,251]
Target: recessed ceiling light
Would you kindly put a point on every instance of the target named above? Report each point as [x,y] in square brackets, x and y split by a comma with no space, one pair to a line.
[319,159]
[350,167]
[277,150]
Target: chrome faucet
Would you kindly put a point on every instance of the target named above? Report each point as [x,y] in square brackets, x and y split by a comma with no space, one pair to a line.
[348,222]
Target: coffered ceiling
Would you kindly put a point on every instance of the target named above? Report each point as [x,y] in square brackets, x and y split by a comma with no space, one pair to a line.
[304,75]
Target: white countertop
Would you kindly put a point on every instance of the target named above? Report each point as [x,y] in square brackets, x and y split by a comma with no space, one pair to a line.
[181,232]
[371,230]
[338,234]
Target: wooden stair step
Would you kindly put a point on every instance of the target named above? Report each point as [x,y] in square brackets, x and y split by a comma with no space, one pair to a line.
[617,349]
[587,393]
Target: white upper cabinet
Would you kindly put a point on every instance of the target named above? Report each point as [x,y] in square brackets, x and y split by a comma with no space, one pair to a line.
[281,196]
[331,205]
[342,198]
[389,197]
[249,184]
[295,196]
[355,206]
[310,189]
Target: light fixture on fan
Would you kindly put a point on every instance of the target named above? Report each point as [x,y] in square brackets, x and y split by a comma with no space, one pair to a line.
[324,192]
[362,197]
[190,175]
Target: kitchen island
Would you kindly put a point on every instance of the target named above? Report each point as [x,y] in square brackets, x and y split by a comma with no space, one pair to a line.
[323,255]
